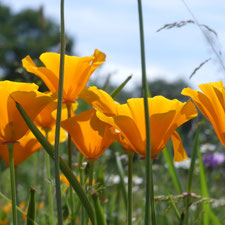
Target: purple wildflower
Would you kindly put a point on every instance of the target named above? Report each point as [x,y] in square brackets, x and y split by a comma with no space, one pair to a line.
[213,160]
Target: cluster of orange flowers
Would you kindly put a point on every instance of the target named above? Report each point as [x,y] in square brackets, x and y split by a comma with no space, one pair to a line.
[94,130]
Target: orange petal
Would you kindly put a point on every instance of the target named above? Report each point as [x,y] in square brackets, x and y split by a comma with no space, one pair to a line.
[50,78]
[77,71]
[179,152]
[210,108]
[12,125]
[27,146]
[100,100]
[125,131]
[162,127]
[87,139]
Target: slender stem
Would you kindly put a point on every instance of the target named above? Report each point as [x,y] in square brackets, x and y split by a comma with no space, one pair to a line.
[13,184]
[49,184]
[174,207]
[191,173]
[81,159]
[130,197]
[91,163]
[68,106]
[122,176]
[149,179]
[58,117]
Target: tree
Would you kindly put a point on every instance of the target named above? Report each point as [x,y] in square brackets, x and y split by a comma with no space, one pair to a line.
[26,33]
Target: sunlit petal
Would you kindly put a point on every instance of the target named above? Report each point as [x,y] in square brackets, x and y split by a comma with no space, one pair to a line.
[87,140]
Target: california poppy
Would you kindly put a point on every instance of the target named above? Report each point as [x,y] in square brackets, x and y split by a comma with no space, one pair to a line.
[46,119]
[76,73]
[127,121]
[87,140]
[211,103]
[27,145]
[12,125]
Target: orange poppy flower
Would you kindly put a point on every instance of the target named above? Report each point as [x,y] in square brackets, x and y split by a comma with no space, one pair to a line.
[87,140]
[27,145]
[211,103]
[12,125]
[76,73]
[127,121]
[46,119]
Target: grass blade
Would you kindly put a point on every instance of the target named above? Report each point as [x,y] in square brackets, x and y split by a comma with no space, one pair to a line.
[191,171]
[122,178]
[118,89]
[172,171]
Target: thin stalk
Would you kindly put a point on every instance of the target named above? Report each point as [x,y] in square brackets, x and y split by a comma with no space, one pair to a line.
[99,213]
[49,184]
[68,106]
[13,184]
[81,159]
[58,117]
[90,174]
[122,178]
[149,197]
[91,163]
[130,197]
[191,172]
[174,207]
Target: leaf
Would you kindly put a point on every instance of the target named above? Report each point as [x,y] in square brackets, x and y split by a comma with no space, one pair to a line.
[172,170]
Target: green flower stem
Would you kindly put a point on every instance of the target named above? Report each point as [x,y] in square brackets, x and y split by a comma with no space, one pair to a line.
[58,117]
[149,197]
[90,171]
[13,184]
[99,213]
[81,159]
[49,184]
[91,163]
[68,106]
[130,197]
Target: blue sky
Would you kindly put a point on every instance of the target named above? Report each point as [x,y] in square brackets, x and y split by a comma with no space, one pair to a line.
[112,27]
